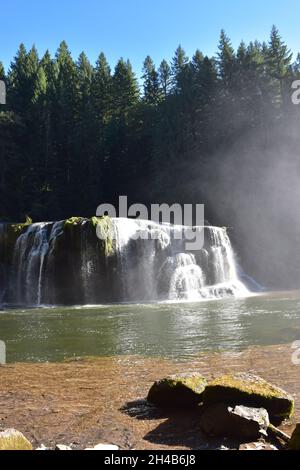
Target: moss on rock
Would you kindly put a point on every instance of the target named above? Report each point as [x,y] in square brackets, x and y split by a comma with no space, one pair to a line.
[74,221]
[18,228]
[11,439]
[250,390]
[103,226]
[181,390]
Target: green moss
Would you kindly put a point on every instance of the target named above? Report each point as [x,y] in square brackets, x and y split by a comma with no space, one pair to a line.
[103,226]
[250,390]
[14,440]
[248,384]
[74,221]
[182,390]
[18,228]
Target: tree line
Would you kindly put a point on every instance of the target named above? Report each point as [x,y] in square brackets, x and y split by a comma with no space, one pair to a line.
[74,135]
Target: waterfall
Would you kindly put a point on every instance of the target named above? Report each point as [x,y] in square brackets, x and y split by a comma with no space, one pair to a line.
[156,264]
[3,262]
[52,263]
[28,263]
[187,278]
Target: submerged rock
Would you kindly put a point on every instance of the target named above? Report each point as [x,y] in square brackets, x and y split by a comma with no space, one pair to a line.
[294,443]
[221,420]
[181,390]
[11,439]
[250,390]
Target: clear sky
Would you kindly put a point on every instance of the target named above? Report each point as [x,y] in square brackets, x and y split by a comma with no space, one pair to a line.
[135,28]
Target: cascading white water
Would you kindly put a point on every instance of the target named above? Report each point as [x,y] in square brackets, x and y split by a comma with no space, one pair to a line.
[3,262]
[150,262]
[29,255]
[187,279]
[163,259]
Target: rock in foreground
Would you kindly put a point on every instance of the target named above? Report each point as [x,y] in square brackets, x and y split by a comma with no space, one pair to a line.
[220,420]
[294,443]
[103,447]
[253,391]
[11,439]
[181,390]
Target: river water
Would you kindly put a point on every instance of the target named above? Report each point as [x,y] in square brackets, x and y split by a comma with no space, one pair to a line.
[170,330]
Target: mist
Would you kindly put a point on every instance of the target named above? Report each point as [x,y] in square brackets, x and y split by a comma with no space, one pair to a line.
[257,195]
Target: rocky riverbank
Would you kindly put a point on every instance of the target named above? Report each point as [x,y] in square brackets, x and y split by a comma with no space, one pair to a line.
[84,402]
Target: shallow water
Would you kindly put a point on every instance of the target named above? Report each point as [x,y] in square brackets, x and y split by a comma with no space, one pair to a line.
[178,331]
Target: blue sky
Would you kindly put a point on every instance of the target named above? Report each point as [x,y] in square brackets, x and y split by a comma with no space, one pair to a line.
[135,28]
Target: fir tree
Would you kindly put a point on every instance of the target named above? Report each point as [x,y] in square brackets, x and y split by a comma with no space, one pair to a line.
[226,59]
[179,69]
[165,77]
[152,90]
[102,90]
[279,61]
[125,89]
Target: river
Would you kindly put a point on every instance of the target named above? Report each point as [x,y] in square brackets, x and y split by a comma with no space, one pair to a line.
[177,331]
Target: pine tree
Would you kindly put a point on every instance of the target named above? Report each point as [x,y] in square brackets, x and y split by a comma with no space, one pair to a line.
[85,78]
[152,90]
[197,61]
[21,78]
[226,60]
[165,77]
[125,89]
[13,198]
[64,119]
[279,56]
[279,61]
[241,54]
[179,69]
[67,78]
[102,90]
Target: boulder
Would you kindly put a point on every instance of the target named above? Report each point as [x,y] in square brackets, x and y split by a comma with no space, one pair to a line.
[294,443]
[62,447]
[266,446]
[42,447]
[181,390]
[103,447]
[221,420]
[250,390]
[11,439]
